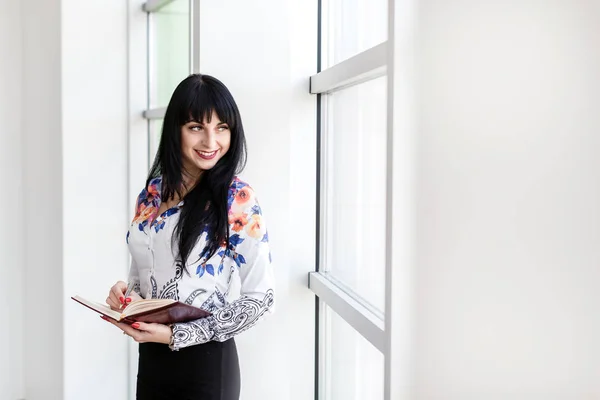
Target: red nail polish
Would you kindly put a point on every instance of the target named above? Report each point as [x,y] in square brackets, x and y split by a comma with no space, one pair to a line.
[128,299]
[135,325]
[121,299]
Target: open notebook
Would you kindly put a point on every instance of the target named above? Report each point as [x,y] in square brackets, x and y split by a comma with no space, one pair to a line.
[162,311]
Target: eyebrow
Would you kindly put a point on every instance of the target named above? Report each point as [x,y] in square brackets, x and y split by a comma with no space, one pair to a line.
[193,121]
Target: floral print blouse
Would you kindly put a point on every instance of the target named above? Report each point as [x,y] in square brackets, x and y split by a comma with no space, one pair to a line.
[204,283]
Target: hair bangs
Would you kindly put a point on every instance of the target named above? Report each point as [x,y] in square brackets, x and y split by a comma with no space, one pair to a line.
[203,102]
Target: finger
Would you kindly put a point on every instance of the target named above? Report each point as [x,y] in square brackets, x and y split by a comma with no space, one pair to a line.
[118,290]
[142,326]
[112,304]
[114,299]
[133,296]
[121,286]
[135,334]
[141,332]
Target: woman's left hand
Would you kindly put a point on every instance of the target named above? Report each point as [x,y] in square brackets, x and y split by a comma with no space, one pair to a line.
[142,332]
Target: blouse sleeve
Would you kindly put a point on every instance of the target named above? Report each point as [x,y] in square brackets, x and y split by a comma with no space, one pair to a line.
[250,250]
[134,275]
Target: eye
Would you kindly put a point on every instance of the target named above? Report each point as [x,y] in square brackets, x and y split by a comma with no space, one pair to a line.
[222,128]
[196,128]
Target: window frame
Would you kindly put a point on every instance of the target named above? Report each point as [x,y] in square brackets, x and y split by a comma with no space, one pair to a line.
[391,333]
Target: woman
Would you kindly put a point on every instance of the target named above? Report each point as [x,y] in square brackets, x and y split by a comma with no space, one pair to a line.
[196,227]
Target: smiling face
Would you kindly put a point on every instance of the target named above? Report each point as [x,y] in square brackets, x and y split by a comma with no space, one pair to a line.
[203,144]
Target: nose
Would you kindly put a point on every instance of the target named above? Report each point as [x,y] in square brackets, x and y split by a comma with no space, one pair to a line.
[210,139]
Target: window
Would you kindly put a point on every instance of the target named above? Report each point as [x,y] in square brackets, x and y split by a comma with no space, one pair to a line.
[351,27]
[169,44]
[353,366]
[354,172]
[350,283]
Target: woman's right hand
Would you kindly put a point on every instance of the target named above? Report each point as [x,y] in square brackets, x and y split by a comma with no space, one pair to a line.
[116,299]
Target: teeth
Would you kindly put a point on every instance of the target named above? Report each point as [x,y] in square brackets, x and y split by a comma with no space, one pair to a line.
[204,153]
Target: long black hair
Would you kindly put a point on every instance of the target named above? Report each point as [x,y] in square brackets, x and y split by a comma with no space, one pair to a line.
[205,205]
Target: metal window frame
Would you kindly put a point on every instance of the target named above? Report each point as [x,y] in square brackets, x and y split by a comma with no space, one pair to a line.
[321,326]
[155,113]
[353,311]
[369,64]
[151,6]
[194,36]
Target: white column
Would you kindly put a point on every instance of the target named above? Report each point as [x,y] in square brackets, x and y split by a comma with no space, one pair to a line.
[74,199]
[42,293]
[11,234]
[96,207]
[401,228]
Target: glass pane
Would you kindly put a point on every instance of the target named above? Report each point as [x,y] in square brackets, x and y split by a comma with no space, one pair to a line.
[353,366]
[170,42]
[154,132]
[355,177]
[351,27]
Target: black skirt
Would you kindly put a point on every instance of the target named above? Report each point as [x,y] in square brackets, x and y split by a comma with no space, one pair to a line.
[207,371]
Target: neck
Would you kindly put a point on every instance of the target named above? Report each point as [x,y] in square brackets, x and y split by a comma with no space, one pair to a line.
[189,180]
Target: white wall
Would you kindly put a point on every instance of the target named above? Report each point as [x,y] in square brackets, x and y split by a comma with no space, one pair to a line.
[42,200]
[63,158]
[509,190]
[297,258]
[265,53]
[11,237]
[95,191]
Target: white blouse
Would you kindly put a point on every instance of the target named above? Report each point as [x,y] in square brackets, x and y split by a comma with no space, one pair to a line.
[204,283]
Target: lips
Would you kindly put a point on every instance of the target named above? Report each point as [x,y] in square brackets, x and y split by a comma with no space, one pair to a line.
[207,155]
